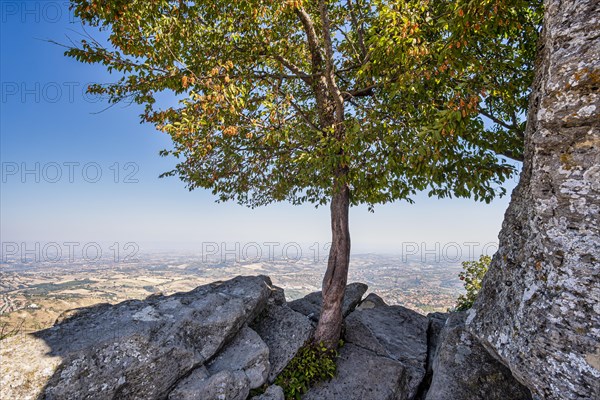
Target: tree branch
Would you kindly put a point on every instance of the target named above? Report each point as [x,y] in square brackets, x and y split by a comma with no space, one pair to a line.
[512,155]
[364,92]
[334,90]
[295,69]
[311,35]
[358,28]
[497,120]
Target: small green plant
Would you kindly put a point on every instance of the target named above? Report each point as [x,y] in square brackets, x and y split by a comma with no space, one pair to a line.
[472,276]
[313,363]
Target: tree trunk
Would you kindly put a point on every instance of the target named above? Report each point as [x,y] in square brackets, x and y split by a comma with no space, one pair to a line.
[538,308]
[334,283]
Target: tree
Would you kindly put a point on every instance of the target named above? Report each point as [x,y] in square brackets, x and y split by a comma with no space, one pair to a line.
[348,102]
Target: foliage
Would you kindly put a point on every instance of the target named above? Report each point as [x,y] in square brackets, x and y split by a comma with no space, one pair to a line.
[313,363]
[274,100]
[473,274]
[475,57]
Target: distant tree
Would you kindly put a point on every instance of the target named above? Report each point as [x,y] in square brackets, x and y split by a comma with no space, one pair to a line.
[472,275]
[341,102]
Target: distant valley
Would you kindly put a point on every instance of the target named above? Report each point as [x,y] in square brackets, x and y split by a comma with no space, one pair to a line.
[33,295]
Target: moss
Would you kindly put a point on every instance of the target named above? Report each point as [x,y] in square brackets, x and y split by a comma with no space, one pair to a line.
[312,364]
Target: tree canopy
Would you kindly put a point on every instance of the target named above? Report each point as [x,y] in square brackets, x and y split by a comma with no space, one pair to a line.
[269,99]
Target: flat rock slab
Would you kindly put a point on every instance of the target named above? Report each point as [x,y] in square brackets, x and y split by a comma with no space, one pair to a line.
[136,349]
[396,333]
[310,305]
[464,370]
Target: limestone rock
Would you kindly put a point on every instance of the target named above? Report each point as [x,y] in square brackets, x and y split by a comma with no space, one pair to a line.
[394,332]
[310,305]
[436,322]
[273,392]
[371,301]
[135,349]
[284,331]
[538,310]
[464,370]
[246,352]
[362,375]
[224,385]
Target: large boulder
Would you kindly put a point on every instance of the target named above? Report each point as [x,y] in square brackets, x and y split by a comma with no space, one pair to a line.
[538,310]
[394,332]
[310,305]
[135,349]
[464,370]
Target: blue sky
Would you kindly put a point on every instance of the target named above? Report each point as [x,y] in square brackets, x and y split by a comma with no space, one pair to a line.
[49,126]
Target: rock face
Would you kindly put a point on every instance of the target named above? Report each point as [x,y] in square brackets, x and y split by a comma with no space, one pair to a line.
[310,305]
[133,350]
[463,369]
[539,309]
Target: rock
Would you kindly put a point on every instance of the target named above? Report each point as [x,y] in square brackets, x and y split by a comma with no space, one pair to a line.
[284,331]
[273,392]
[538,310]
[436,322]
[224,385]
[464,370]
[186,389]
[371,301]
[435,325]
[135,349]
[277,296]
[362,375]
[246,352]
[310,305]
[396,333]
